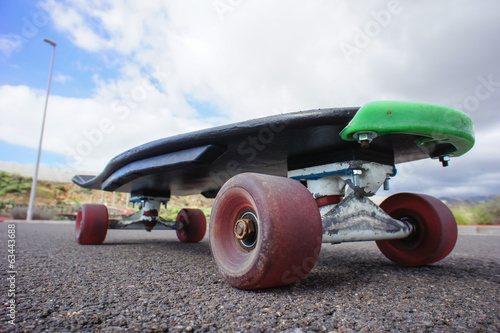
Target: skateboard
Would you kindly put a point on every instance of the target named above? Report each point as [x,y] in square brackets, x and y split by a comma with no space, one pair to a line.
[285,184]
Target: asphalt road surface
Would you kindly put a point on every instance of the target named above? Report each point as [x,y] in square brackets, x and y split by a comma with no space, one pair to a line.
[139,281]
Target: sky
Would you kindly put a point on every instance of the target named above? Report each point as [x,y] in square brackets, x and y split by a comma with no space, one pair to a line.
[129,72]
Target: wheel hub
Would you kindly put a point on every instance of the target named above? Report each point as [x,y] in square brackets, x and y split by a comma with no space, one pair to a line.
[245,230]
[415,230]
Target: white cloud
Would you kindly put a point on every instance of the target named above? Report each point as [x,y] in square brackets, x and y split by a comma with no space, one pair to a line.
[68,17]
[286,55]
[9,45]
[263,57]
[61,78]
[88,131]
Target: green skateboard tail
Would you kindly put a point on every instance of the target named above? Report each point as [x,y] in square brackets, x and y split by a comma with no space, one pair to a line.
[433,124]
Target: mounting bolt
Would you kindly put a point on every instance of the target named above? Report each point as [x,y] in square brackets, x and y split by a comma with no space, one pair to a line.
[445,159]
[386,183]
[365,138]
[355,176]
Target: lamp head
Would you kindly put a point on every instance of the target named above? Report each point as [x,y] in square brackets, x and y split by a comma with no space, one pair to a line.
[49,41]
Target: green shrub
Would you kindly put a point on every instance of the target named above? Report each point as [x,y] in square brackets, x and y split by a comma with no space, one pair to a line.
[13,188]
[170,214]
[460,216]
[25,185]
[480,214]
[489,213]
[43,192]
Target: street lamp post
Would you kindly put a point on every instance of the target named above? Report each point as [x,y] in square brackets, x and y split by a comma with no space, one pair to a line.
[35,176]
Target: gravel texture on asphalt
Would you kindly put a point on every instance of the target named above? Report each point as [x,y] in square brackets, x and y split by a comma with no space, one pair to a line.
[149,282]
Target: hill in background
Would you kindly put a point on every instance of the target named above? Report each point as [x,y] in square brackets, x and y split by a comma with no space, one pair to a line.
[59,197]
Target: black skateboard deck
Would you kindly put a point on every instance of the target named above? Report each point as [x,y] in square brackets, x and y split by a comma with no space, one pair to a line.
[202,161]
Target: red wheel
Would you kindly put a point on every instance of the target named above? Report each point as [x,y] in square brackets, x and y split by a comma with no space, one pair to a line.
[265,231]
[435,230]
[91,224]
[328,200]
[195,225]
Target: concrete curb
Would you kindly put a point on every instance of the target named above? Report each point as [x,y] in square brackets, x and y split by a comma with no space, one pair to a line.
[479,229]
[39,221]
